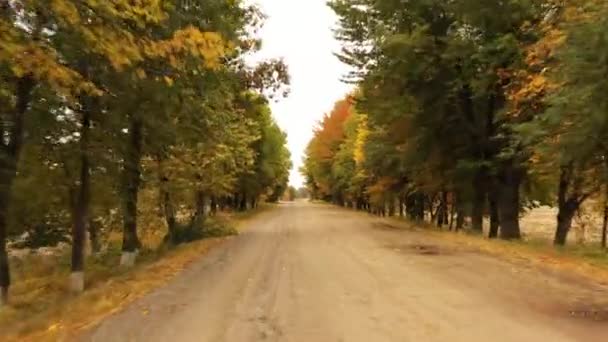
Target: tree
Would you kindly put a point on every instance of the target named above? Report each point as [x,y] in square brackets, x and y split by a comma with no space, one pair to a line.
[92,92]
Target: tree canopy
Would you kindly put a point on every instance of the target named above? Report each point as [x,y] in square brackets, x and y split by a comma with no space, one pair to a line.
[103,102]
[467,109]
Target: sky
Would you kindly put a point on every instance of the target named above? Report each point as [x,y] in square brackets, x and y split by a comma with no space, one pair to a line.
[300,31]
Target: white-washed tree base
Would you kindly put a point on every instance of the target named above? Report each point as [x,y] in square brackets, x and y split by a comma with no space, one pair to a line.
[3,297]
[77,282]
[127,259]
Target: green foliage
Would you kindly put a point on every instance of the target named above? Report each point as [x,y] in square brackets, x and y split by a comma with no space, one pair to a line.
[494,103]
[103,103]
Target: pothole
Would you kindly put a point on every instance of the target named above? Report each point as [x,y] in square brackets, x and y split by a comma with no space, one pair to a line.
[426,249]
[420,249]
[384,226]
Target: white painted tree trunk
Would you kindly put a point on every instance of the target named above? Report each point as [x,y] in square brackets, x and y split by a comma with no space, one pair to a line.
[77,282]
[88,248]
[127,259]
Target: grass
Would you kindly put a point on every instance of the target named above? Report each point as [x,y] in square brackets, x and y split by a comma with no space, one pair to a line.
[43,309]
[583,260]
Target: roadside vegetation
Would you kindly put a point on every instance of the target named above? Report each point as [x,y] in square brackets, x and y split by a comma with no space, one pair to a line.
[471,115]
[128,128]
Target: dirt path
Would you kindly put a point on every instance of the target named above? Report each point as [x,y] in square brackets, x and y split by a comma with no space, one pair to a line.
[307,272]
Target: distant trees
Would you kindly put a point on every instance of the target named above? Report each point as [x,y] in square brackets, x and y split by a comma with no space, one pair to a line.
[466,109]
[100,100]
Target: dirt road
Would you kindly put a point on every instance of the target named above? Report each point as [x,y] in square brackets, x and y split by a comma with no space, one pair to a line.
[307,272]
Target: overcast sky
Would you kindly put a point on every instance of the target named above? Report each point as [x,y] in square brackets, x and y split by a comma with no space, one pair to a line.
[300,31]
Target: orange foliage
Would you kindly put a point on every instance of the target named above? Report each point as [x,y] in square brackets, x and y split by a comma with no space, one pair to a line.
[330,132]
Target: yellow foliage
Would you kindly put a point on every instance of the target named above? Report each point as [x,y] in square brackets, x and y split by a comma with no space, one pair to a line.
[362,134]
[209,46]
[65,11]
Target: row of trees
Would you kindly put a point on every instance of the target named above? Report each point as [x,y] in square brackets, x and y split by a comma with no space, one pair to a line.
[468,108]
[100,99]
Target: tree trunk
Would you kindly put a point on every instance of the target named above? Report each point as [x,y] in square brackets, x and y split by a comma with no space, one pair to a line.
[460,212]
[494,216]
[479,201]
[5,279]
[566,206]
[452,213]
[391,206]
[442,211]
[508,202]
[605,224]
[213,205]
[131,179]
[243,203]
[168,212]
[9,159]
[198,220]
[564,222]
[419,207]
[94,236]
[166,201]
[81,202]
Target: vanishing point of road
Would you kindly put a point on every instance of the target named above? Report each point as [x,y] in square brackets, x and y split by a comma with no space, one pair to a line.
[313,272]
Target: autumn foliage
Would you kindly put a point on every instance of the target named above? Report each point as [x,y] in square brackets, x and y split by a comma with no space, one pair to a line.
[469,112]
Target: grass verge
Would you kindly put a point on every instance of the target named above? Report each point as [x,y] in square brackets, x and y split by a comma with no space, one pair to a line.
[43,309]
[577,260]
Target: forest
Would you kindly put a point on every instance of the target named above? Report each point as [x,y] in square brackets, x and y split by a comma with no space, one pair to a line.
[124,118]
[469,111]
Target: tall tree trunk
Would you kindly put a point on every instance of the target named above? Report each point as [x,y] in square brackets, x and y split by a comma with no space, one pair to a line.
[9,159]
[419,208]
[5,279]
[81,202]
[508,202]
[494,216]
[460,211]
[479,201]
[94,232]
[169,212]
[564,222]
[198,220]
[391,206]
[243,203]
[566,206]
[452,212]
[131,179]
[165,199]
[442,211]
[213,205]
[605,223]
